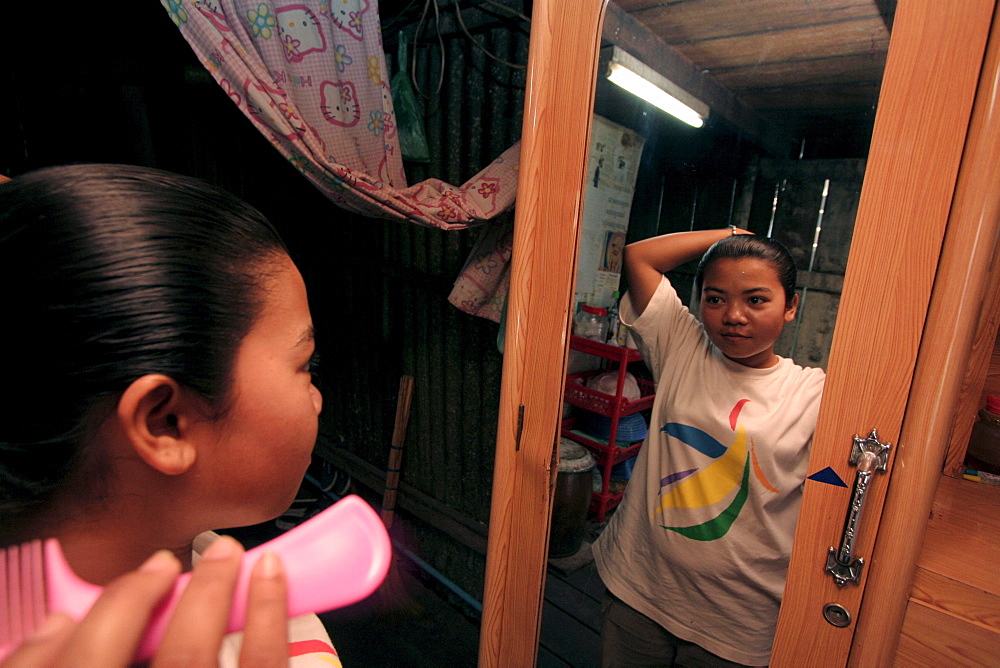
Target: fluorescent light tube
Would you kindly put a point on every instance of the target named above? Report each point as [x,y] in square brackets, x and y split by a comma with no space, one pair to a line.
[642,81]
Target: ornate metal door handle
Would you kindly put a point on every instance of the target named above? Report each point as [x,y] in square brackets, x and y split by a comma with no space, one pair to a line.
[869,455]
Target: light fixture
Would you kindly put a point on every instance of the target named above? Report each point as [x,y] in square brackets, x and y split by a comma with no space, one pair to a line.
[642,80]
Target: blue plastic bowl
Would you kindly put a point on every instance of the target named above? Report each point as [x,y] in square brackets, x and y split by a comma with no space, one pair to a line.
[631,428]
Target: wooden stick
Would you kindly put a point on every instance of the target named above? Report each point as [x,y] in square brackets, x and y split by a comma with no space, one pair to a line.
[403,400]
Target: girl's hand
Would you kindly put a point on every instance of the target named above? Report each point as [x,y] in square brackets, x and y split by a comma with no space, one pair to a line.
[646,261]
[111,631]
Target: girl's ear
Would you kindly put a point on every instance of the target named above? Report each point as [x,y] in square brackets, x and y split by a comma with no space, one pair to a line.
[156,415]
[792,308]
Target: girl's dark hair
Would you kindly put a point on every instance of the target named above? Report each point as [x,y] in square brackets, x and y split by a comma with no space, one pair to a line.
[749,245]
[108,273]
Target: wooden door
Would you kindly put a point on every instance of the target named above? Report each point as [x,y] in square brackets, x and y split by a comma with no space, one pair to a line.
[919,170]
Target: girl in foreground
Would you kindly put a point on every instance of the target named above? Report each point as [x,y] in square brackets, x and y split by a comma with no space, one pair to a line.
[695,557]
[157,347]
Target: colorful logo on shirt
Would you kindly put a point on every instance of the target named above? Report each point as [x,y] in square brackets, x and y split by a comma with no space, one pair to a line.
[728,477]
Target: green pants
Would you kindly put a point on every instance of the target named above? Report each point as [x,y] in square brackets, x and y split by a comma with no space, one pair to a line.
[631,639]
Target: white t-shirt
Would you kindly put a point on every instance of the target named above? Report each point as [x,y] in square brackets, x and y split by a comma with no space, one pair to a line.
[702,539]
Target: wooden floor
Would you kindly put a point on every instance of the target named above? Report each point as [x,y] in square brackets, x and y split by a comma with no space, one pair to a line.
[571,617]
[428,631]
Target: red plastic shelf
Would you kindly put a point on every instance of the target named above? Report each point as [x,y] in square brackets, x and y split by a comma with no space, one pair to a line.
[615,453]
[578,394]
[619,354]
[613,406]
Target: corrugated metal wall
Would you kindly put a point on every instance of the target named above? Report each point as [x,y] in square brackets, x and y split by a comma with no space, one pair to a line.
[390,283]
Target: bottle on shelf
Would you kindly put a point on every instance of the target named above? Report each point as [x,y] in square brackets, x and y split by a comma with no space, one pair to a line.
[591,323]
[617,332]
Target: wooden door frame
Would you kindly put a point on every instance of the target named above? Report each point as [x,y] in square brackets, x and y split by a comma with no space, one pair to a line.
[931,77]
[558,111]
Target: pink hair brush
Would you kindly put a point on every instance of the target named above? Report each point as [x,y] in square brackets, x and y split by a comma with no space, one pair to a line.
[337,558]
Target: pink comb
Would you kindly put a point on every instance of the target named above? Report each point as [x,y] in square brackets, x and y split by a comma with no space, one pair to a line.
[337,558]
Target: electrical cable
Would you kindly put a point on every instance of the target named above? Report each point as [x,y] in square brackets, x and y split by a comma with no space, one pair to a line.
[461,23]
[468,34]
[509,10]
[413,59]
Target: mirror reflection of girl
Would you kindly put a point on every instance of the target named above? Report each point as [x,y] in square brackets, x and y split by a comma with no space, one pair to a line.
[156,348]
[695,557]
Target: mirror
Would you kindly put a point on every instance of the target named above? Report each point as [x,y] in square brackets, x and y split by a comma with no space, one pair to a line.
[782,153]
[105,120]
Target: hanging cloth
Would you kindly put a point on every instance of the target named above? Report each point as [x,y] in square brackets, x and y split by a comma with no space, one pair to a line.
[481,287]
[309,74]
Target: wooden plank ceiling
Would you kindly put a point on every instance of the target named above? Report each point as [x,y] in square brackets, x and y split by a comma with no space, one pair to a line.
[811,67]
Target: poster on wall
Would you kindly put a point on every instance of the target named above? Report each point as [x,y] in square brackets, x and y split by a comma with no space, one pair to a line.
[612,167]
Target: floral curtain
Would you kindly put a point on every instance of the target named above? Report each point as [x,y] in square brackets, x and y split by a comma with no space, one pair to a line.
[310,76]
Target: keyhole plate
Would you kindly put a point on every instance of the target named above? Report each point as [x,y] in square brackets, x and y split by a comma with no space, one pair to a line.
[837,615]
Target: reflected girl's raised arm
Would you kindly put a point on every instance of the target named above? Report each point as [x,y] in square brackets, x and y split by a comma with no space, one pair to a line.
[646,261]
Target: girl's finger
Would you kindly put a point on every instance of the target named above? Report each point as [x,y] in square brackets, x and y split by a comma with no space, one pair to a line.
[199,621]
[111,631]
[265,637]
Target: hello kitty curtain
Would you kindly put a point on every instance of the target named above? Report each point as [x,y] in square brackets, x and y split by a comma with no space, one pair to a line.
[310,76]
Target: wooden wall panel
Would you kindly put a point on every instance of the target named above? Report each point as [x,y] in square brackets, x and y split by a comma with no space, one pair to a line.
[712,19]
[862,67]
[790,45]
[931,637]
[982,378]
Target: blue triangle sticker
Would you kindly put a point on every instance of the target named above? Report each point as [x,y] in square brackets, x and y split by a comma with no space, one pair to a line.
[828,476]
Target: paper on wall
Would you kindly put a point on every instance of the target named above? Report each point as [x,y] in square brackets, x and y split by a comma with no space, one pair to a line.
[612,167]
